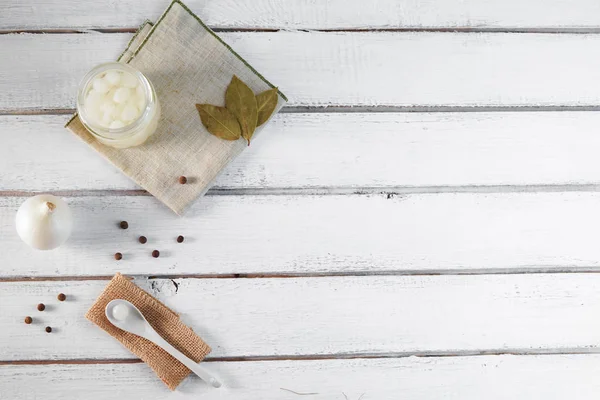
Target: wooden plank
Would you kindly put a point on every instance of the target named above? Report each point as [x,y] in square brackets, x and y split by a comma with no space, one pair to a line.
[371,150]
[324,316]
[465,232]
[300,14]
[458,378]
[410,69]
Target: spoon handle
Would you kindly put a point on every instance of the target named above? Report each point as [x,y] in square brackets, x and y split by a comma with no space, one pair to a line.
[188,362]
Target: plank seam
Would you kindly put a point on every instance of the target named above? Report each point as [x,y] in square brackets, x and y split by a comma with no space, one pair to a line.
[411,29]
[390,192]
[339,356]
[544,270]
[361,109]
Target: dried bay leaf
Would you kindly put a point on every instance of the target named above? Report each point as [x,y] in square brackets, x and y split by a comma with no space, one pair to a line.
[219,121]
[266,102]
[240,100]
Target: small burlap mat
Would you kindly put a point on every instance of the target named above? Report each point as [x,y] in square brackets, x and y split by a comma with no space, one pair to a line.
[162,319]
[188,64]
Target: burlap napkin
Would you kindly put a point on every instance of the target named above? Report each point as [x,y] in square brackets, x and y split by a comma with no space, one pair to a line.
[188,64]
[162,319]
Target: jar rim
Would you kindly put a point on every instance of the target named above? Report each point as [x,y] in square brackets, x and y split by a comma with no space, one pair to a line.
[127,130]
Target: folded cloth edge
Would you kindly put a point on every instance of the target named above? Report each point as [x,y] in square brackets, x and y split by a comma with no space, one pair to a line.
[186,8]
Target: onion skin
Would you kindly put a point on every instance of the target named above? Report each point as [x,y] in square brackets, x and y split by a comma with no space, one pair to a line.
[44,222]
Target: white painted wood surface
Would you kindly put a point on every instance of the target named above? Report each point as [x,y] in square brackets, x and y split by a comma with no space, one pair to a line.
[483,198]
[428,233]
[555,377]
[316,14]
[318,69]
[345,150]
[327,316]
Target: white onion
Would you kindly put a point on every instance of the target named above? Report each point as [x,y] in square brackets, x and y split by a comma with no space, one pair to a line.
[130,112]
[100,85]
[113,77]
[121,95]
[44,222]
[115,98]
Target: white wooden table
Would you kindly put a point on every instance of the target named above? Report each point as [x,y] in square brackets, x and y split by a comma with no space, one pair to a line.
[421,222]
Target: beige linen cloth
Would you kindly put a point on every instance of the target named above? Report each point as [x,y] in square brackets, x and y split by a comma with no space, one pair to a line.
[162,319]
[188,64]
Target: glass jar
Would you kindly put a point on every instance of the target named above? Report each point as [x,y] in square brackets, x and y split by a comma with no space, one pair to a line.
[118,105]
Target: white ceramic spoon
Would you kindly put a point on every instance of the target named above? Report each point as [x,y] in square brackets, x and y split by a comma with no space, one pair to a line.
[127,317]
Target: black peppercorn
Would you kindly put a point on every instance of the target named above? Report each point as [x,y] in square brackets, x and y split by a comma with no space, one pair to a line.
[180,239]
[182,180]
[118,256]
[124,225]
[61,297]
[155,253]
[48,329]
[41,307]
[143,239]
[28,320]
